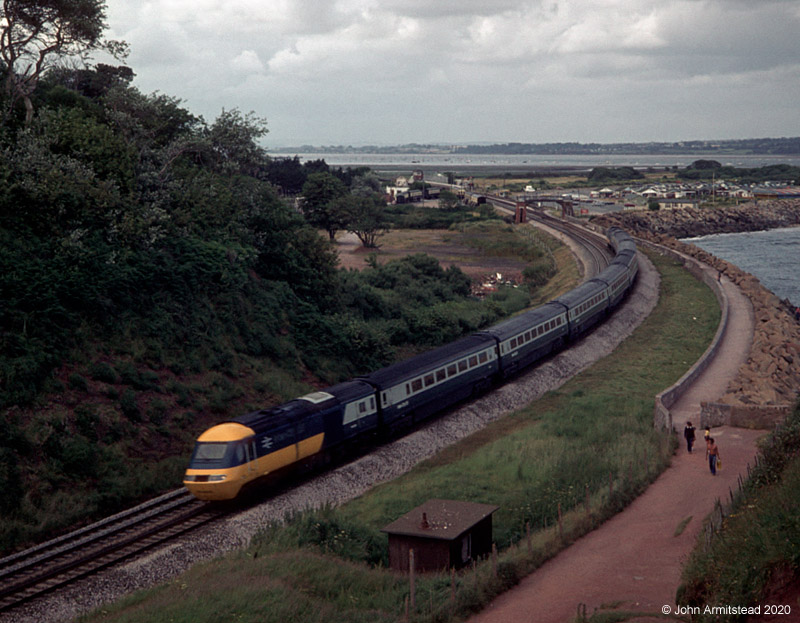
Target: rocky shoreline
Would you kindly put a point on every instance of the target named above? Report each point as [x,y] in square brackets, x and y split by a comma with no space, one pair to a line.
[693,222]
[771,375]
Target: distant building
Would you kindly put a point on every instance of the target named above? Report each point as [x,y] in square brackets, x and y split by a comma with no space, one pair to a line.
[786,192]
[677,204]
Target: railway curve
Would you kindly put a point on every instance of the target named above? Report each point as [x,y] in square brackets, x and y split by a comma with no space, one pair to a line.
[218,534]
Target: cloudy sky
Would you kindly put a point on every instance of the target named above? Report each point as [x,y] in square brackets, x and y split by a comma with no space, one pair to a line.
[329,72]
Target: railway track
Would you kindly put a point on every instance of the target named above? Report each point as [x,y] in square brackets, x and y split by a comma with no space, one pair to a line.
[598,253]
[52,565]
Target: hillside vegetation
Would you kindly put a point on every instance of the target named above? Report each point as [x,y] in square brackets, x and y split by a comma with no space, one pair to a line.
[156,276]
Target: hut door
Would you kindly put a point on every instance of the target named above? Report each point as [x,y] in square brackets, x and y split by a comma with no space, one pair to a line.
[466,548]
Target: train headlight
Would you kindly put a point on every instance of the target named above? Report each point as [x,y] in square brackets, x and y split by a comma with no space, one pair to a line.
[216,477]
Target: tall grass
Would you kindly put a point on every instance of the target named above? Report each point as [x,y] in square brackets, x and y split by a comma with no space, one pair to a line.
[592,442]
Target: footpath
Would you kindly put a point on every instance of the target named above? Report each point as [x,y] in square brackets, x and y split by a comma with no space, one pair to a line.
[633,561]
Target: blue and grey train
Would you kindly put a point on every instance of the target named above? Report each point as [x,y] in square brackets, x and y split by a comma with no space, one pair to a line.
[308,431]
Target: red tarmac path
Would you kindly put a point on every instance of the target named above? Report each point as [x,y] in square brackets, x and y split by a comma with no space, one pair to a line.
[634,561]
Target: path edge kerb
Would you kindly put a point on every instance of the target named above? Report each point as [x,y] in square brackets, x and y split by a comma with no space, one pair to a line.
[662,416]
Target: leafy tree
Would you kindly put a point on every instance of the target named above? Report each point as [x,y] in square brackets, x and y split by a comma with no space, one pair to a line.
[320,206]
[448,200]
[366,217]
[93,82]
[38,33]
[288,174]
[233,137]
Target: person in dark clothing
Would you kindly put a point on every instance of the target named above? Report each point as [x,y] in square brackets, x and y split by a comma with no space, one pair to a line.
[688,433]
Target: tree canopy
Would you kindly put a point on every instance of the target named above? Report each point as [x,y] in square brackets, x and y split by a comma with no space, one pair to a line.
[35,35]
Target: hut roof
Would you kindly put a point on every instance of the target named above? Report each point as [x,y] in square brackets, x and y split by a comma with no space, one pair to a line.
[440,519]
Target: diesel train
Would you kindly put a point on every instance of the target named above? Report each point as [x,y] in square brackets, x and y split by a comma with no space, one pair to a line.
[307,432]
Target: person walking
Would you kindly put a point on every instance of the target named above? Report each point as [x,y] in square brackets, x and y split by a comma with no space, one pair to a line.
[713,455]
[688,433]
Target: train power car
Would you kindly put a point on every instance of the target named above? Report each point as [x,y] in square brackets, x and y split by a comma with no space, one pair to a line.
[266,444]
[308,431]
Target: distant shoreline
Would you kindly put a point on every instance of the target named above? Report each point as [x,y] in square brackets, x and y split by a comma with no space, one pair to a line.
[529,165]
[700,148]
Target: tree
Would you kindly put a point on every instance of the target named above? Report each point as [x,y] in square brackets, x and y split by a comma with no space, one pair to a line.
[321,205]
[234,141]
[36,34]
[366,217]
[448,200]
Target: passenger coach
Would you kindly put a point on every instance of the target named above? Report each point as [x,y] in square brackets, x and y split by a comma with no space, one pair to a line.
[311,430]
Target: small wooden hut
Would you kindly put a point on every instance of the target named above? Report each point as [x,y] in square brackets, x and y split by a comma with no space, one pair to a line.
[444,534]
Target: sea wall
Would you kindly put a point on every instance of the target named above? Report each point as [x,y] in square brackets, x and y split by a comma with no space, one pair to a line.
[770,377]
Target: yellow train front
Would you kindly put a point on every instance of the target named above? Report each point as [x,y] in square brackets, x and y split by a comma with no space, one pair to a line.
[266,444]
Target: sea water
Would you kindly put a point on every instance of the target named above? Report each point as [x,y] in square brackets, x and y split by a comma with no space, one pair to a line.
[772,256]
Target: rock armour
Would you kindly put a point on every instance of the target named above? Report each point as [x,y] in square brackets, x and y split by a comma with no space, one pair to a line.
[771,374]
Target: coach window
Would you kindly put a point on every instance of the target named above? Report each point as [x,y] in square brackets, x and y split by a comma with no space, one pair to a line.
[428,380]
[473,361]
[451,370]
[462,365]
[416,385]
[441,375]
[513,342]
[483,357]
[408,389]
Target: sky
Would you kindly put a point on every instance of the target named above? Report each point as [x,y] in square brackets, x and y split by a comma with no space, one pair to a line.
[355,72]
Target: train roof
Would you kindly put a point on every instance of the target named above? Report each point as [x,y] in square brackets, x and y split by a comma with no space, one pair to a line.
[429,360]
[625,257]
[301,407]
[521,322]
[584,291]
[612,271]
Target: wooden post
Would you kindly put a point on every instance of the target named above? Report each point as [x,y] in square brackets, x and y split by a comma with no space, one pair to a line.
[560,523]
[528,534]
[494,559]
[412,567]
[586,503]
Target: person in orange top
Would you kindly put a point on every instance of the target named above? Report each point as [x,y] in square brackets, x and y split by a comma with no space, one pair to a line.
[713,455]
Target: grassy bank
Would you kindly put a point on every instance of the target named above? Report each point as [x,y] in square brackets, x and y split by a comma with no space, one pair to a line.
[590,444]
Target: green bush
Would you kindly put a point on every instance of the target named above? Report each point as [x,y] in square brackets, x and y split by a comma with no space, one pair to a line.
[76,381]
[101,371]
[129,406]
